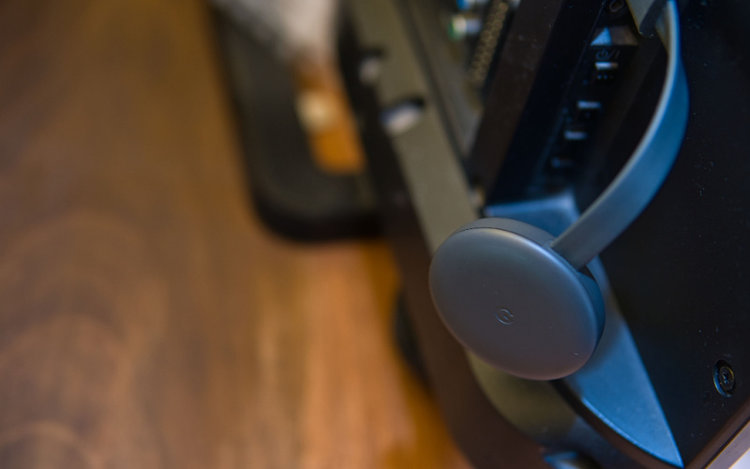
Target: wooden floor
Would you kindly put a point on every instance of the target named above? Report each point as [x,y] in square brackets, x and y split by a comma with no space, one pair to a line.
[147,319]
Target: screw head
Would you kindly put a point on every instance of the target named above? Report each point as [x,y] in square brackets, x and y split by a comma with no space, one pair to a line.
[724,379]
[615,6]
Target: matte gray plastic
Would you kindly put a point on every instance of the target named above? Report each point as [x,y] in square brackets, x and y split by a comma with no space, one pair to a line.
[514,302]
[643,174]
[607,385]
[514,295]
[614,378]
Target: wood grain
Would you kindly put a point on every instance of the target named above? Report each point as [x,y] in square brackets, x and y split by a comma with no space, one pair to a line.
[147,319]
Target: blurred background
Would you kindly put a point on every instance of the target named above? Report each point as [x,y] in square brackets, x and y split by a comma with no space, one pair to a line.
[147,317]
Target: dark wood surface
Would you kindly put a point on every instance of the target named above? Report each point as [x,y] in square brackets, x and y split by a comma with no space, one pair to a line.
[147,320]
